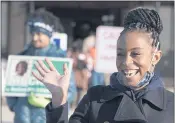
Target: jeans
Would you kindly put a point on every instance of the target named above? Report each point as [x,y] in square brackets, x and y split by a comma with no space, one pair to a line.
[26,113]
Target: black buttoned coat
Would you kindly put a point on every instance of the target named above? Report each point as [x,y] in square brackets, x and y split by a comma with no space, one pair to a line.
[105,104]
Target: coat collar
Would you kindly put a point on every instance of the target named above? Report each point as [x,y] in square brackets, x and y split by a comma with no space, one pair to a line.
[156,97]
[129,111]
[154,93]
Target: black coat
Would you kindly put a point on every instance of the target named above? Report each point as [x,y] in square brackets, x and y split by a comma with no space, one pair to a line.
[104,104]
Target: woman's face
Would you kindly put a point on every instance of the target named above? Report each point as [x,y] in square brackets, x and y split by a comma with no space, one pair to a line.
[40,40]
[134,54]
[20,69]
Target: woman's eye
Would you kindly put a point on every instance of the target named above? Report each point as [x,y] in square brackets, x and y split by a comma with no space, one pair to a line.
[135,54]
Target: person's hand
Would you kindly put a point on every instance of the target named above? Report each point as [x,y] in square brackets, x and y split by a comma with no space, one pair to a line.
[57,84]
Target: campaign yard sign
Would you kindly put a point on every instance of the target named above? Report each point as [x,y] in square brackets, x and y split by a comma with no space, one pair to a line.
[106,45]
[19,80]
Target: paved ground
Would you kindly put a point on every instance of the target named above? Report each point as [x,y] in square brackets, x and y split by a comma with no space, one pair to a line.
[7,116]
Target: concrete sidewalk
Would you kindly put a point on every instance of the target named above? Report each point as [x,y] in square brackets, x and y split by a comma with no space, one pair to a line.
[7,115]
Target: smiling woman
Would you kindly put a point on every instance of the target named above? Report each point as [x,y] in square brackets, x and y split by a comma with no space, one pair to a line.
[135,94]
[135,57]
[138,47]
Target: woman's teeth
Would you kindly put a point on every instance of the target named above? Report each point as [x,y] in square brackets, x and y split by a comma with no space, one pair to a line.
[129,73]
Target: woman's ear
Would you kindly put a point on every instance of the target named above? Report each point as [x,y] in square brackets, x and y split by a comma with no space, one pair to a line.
[157,56]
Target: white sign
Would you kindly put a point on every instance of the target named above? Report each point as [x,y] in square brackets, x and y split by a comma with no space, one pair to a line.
[19,80]
[60,39]
[106,48]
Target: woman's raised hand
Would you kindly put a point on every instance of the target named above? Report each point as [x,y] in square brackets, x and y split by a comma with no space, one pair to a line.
[57,84]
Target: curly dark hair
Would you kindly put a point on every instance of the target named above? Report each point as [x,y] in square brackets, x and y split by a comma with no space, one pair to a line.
[47,17]
[146,20]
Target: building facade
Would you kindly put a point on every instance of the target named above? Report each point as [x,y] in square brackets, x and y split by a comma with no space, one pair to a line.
[15,34]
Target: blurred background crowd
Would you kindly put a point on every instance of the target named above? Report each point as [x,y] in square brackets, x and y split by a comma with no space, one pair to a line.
[80,20]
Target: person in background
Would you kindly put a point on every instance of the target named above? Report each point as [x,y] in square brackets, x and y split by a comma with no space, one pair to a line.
[89,48]
[80,65]
[42,24]
[80,72]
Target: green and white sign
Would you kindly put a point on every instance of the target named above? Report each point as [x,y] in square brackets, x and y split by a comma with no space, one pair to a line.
[19,80]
